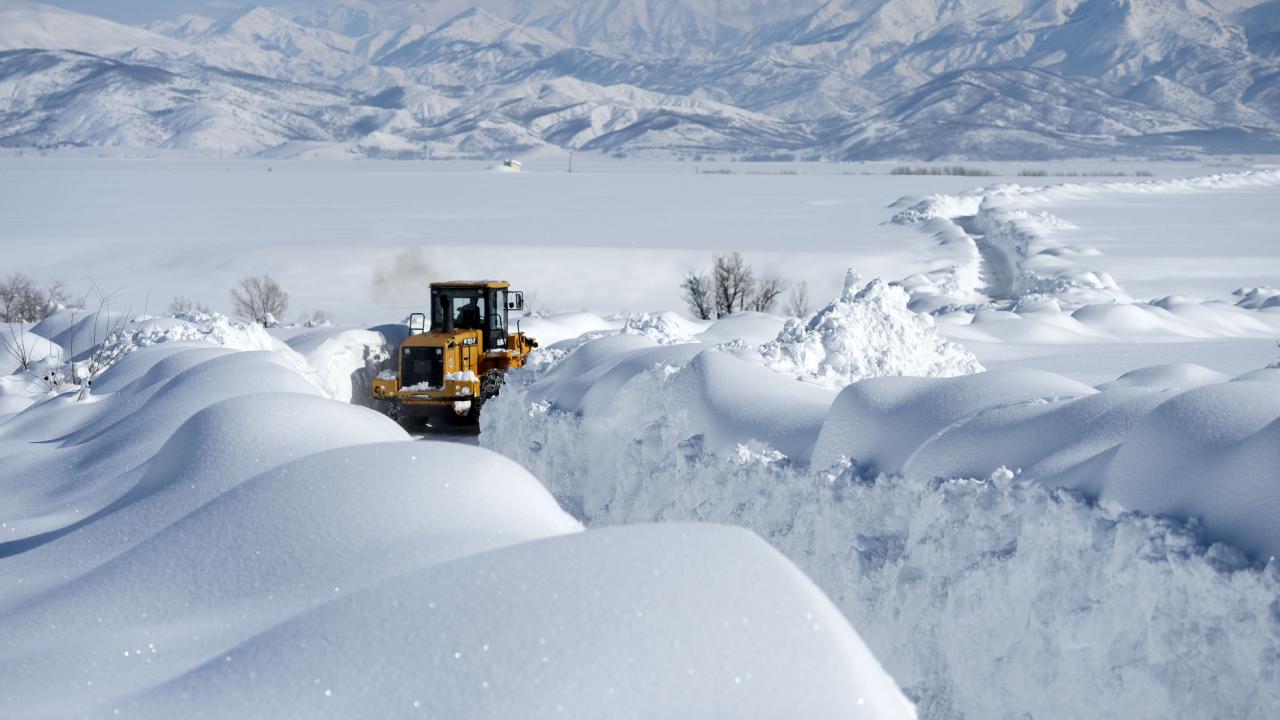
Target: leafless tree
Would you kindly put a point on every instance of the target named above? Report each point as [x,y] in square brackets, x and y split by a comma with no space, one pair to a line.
[259,299]
[766,292]
[182,304]
[22,302]
[798,303]
[696,290]
[734,283]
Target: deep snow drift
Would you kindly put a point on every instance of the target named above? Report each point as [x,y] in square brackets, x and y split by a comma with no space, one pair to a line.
[988,596]
[211,534]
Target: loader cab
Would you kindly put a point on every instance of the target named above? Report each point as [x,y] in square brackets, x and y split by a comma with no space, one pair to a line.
[479,306]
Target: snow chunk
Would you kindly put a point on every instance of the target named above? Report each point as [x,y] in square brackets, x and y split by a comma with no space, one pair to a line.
[868,332]
[665,328]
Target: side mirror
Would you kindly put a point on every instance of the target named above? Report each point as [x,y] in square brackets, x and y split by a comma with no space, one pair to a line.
[515,301]
[417,323]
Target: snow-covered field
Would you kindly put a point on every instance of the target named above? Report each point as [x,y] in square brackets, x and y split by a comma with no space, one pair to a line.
[1029,450]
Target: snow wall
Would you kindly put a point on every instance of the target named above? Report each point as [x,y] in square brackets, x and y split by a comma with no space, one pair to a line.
[986,593]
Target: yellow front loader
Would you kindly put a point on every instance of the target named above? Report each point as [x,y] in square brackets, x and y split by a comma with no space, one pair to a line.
[446,370]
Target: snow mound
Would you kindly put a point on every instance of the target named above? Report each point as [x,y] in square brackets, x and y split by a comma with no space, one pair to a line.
[1150,441]
[562,627]
[1257,298]
[868,332]
[665,328]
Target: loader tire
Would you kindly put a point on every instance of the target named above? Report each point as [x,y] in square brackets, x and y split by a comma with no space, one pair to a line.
[490,385]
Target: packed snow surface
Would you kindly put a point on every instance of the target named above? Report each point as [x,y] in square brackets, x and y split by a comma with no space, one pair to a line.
[214,535]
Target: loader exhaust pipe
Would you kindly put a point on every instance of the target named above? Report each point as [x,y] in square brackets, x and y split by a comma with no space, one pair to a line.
[446,305]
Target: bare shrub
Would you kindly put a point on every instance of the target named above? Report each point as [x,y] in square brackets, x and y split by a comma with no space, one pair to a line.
[259,299]
[106,345]
[184,304]
[732,286]
[17,345]
[21,301]
[798,303]
[316,318]
[945,170]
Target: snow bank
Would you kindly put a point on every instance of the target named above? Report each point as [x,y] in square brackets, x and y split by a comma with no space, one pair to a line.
[79,331]
[1169,319]
[1173,441]
[868,332]
[1015,592]
[1011,249]
[345,362]
[622,623]
[213,537]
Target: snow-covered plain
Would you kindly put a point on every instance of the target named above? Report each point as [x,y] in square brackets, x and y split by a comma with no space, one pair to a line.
[1034,487]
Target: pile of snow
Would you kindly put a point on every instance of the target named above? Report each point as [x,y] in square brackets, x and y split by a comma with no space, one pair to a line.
[80,331]
[665,328]
[192,326]
[1257,298]
[868,332]
[213,536]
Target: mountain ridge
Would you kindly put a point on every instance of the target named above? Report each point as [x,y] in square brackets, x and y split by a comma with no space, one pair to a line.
[842,79]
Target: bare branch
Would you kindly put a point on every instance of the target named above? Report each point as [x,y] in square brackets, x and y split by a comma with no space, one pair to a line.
[182,304]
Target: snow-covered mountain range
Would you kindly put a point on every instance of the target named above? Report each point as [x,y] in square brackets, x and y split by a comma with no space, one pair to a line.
[844,79]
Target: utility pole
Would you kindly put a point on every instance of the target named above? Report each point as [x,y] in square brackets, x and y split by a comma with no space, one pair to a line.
[570,161]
